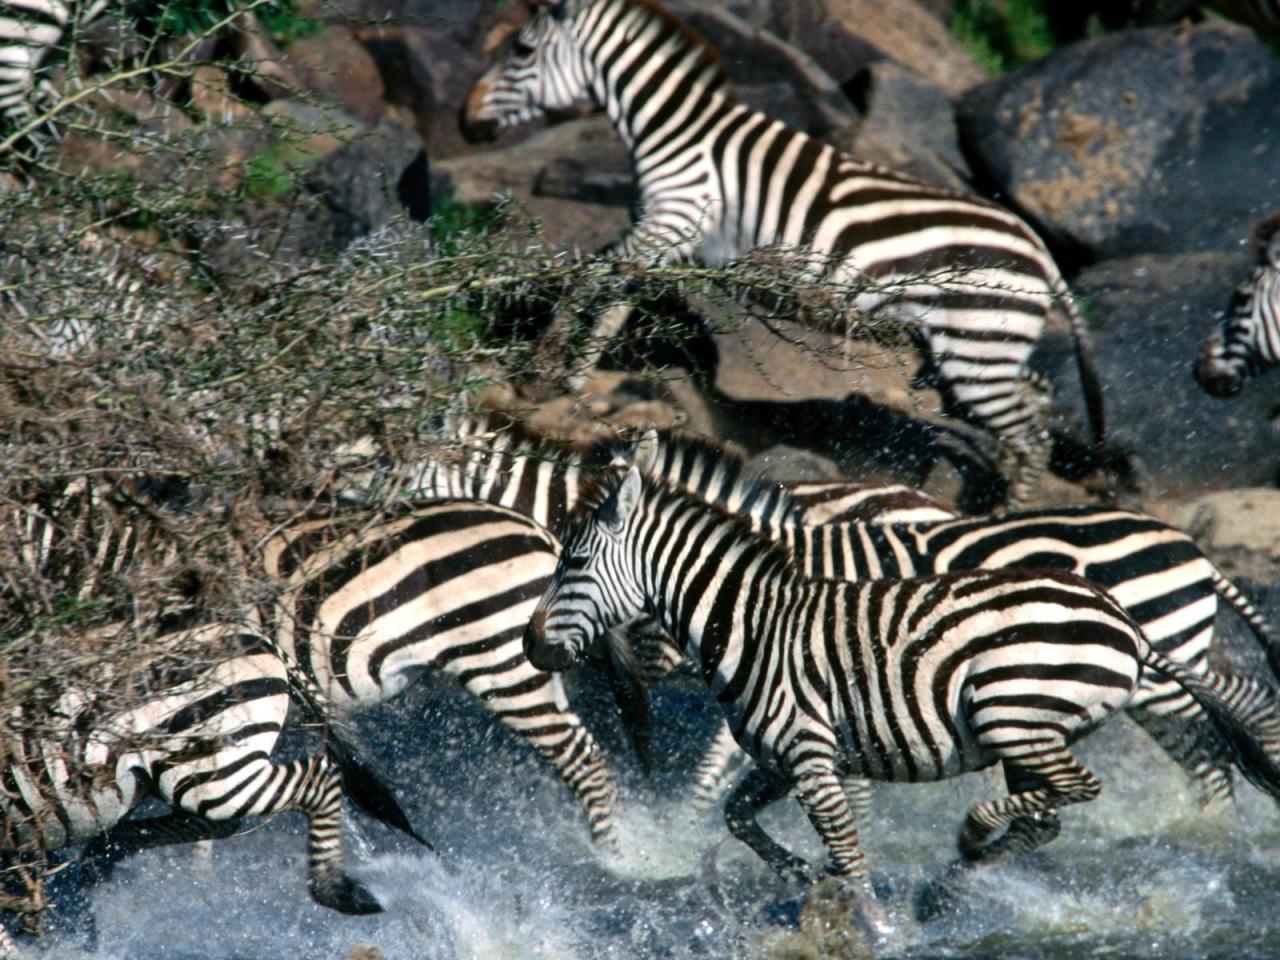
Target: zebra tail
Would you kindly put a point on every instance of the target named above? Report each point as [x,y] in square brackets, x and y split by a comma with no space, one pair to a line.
[1251,615]
[1089,379]
[1244,713]
[365,786]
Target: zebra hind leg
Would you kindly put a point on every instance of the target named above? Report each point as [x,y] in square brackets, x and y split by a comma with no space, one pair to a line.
[1061,780]
[125,839]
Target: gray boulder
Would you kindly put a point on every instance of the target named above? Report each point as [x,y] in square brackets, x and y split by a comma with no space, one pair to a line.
[1159,140]
[1148,316]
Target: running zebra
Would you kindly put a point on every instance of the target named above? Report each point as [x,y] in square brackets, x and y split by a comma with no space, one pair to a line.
[368,604]
[717,179]
[1155,572]
[1247,343]
[194,727]
[901,680]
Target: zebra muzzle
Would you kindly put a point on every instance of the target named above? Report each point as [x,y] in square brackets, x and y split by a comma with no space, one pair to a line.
[542,653]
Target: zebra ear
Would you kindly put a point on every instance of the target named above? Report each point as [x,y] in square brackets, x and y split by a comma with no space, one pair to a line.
[645,454]
[613,513]
[564,9]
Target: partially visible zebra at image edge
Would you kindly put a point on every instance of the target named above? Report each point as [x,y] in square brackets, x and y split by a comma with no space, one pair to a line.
[717,179]
[899,680]
[1247,341]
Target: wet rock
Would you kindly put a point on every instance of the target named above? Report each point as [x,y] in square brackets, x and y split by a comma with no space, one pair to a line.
[837,33]
[336,67]
[371,180]
[1158,140]
[1147,317]
[827,931]
[907,123]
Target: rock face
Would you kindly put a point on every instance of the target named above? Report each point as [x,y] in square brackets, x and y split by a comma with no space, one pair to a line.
[1148,316]
[1147,141]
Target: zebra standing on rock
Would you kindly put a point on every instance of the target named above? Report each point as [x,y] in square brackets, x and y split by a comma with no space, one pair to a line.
[902,680]
[717,179]
[1247,343]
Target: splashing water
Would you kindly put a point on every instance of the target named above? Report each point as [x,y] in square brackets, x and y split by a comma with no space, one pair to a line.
[1141,872]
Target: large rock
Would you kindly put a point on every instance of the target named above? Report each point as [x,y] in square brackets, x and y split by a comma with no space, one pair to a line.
[376,177]
[334,65]
[907,123]
[1239,529]
[1148,316]
[1159,140]
[836,34]
[574,177]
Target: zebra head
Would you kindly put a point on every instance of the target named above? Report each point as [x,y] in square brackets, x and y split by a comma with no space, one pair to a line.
[1248,341]
[594,587]
[542,69]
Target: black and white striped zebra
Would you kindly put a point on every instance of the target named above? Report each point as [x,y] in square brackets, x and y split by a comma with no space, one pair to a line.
[717,179]
[1154,571]
[366,604]
[903,680]
[31,32]
[1247,342]
[195,727]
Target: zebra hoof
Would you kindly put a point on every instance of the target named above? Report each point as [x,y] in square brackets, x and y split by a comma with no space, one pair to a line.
[345,895]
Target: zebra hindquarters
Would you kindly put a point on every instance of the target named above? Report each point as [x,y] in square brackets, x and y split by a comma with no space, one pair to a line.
[215,763]
[533,705]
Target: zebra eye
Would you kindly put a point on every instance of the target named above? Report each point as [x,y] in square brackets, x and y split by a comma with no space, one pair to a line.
[521,49]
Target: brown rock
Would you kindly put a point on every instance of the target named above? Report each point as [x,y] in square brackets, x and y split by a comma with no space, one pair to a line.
[1238,528]
[904,30]
[336,66]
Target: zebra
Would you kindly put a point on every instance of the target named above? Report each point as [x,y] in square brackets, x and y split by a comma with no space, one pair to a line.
[717,179]
[30,32]
[195,727]
[1155,572]
[902,680]
[1247,342]
[365,604]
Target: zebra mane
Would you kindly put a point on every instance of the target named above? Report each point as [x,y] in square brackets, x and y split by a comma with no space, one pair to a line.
[1266,234]
[701,467]
[603,484]
[711,56]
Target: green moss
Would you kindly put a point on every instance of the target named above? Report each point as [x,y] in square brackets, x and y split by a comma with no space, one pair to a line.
[1003,35]
[280,18]
[451,219]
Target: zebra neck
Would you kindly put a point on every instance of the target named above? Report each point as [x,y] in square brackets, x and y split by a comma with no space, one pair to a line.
[650,73]
[715,587]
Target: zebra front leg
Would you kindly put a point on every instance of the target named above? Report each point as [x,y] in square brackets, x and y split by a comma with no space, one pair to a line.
[720,763]
[257,787]
[758,789]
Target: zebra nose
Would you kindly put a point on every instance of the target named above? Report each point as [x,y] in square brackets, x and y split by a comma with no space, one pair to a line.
[551,657]
[476,129]
[1215,381]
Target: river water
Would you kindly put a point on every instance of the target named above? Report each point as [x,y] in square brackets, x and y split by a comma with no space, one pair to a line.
[1141,872]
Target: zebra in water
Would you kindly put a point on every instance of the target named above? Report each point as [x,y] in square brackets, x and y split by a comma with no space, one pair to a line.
[717,179]
[367,604]
[903,680]
[192,723]
[1155,572]
[1247,342]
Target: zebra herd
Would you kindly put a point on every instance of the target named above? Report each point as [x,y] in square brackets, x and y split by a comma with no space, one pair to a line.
[850,633]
